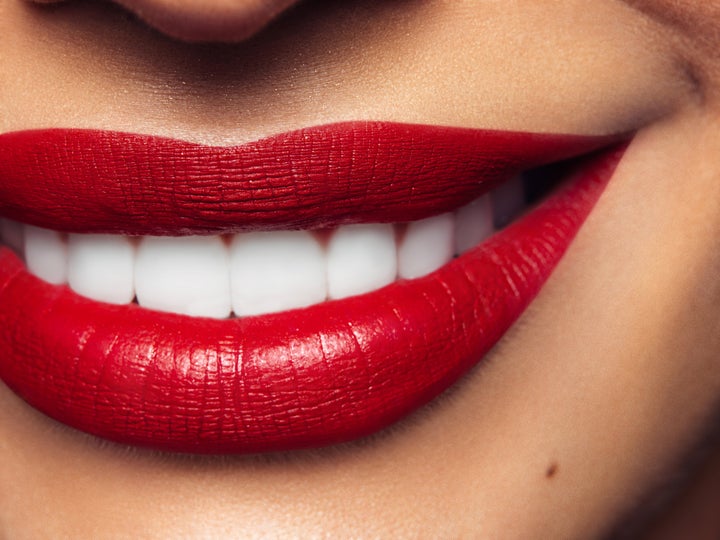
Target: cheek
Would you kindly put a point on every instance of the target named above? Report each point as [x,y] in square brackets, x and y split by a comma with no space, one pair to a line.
[619,355]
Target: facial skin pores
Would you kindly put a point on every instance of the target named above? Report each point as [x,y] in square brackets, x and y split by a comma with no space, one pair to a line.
[395,364]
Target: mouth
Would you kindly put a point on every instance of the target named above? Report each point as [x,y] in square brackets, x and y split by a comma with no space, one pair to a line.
[299,291]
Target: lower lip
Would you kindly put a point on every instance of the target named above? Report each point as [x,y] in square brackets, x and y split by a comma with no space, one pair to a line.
[305,378]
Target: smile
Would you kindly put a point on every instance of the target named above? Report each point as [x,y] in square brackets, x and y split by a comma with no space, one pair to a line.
[303,290]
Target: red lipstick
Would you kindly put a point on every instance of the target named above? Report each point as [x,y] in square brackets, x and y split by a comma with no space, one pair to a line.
[95,181]
[325,374]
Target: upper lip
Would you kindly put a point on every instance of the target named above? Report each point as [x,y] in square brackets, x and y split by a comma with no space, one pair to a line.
[320,375]
[97,181]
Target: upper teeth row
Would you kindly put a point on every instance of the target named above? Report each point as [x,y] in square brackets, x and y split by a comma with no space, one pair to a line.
[256,272]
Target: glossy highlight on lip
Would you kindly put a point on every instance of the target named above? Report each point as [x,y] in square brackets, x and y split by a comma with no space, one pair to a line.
[325,374]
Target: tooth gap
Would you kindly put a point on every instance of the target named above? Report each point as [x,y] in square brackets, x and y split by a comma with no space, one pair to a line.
[400,232]
[323,236]
[540,182]
[508,202]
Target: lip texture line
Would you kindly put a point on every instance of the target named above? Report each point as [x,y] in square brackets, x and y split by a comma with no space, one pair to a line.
[320,375]
[109,182]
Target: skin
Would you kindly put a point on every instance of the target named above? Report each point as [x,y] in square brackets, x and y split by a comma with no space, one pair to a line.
[593,406]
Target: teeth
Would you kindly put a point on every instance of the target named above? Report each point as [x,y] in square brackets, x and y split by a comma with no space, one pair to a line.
[46,254]
[428,244]
[473,224]
[259,272]
[360,259]
[12,234]
[508,201]
[101,267]
[276,271]
[189,275]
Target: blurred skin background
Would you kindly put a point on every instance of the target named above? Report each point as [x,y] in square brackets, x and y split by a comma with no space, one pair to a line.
[594,412]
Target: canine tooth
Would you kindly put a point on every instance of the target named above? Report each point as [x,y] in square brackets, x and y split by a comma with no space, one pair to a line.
[46,254]
[473,224]
[101,267]
[12,234]
[427,245]
[188,275]
[276,271]
[360,259]
[508,201]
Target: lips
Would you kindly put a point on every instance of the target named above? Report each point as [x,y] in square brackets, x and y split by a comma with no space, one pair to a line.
[93,181]
[309,377]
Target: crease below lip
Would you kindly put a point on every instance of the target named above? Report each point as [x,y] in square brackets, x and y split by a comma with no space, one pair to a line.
[89,181]
[305,378]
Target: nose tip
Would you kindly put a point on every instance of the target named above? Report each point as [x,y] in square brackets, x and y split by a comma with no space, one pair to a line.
[208,20]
